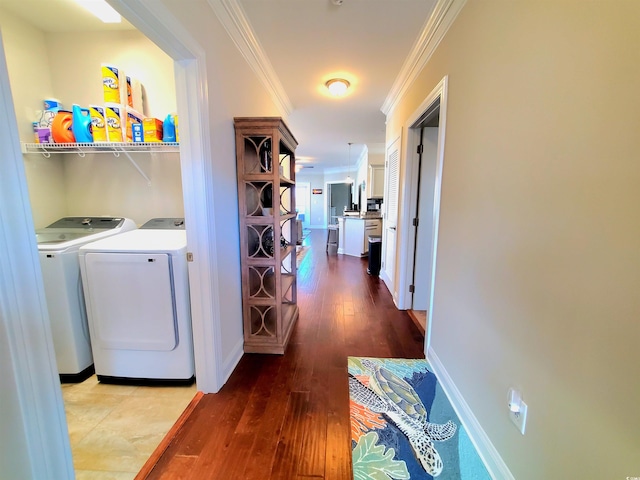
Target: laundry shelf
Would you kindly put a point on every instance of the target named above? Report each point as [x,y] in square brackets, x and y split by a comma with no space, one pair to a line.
[81,149]
[108,147]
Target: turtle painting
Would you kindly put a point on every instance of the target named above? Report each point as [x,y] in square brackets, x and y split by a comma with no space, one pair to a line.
[395,398]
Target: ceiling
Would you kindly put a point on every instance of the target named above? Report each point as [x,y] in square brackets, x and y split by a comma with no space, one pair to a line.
[310,41]
[59,16]
[306,42]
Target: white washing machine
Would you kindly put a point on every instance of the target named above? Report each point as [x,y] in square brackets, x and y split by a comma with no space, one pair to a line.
[58,246]
[136,288]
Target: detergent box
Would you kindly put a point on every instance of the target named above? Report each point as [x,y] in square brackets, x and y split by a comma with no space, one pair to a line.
[114,84]
[152,129]
[137,132]
[133,116]
[129,93]
[116,122]
[137,101]
[98,123]
[42,134]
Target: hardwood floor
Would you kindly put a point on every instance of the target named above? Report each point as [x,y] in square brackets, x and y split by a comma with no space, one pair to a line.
[287,417]
[419,317]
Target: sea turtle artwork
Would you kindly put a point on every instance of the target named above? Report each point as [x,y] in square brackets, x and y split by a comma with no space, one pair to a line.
[395,398]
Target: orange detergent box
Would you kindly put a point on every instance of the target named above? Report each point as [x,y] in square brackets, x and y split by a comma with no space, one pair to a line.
[133,117]
[152,129]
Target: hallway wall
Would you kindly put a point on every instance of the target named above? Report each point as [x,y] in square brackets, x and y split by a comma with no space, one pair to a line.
[538,261]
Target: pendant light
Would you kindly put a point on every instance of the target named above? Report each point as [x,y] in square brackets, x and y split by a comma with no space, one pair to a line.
[349,179]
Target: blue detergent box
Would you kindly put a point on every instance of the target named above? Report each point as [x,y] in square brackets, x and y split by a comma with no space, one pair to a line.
[138,134]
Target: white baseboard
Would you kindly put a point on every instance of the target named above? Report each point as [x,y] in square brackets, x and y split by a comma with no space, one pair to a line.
[232,360]
[488,453]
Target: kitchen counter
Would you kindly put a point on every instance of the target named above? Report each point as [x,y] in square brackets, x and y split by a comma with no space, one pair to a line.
[354,234]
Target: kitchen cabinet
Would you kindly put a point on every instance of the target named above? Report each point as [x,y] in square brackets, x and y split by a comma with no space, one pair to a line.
[355,232]
[375,188]
[265,155]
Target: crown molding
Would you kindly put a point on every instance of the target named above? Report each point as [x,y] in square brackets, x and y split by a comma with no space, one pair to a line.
[236,23]
[444,13]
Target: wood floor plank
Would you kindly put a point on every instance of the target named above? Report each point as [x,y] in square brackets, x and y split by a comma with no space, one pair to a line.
[287,417]
[313,442]
[180,468]
[288,450]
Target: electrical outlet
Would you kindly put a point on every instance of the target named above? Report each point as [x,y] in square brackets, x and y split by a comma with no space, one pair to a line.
[519,418]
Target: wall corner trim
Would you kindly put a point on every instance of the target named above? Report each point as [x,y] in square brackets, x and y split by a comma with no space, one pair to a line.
[236,23]
[434,30]
[232,360]
[488,453]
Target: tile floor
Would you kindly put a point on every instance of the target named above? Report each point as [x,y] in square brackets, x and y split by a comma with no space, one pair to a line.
[115,428]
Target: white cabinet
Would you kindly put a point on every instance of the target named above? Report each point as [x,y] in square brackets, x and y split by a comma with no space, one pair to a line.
[356,234]
[375,189]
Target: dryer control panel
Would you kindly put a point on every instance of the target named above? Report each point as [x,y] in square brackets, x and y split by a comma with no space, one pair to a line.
[164,224]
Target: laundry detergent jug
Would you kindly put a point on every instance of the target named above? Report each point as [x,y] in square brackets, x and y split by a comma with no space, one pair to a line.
[61,127]
[169,129]
[81,125]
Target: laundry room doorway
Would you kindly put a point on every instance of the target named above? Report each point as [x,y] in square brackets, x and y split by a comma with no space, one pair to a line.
[197,179]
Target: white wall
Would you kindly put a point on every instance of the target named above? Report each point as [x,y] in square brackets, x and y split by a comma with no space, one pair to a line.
[29,69]
[376,158]
[77,76]
[538,260]
[30,76]
[33,434]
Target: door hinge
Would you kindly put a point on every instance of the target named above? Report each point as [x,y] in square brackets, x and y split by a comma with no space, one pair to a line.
[415,222]
[420,149]
[189,257]
[412,288]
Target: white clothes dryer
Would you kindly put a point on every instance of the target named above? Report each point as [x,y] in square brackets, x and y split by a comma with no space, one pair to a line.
[136,289]
[58,246]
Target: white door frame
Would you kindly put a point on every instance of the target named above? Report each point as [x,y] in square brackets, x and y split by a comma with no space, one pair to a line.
[389,275]
[158,24]
[409,189]
[30,386]
[307,217]
[327,213]
[23,314]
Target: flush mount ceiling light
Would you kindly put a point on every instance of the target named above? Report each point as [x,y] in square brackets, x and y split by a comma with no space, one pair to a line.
[101,9]
[337,86]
